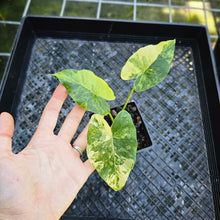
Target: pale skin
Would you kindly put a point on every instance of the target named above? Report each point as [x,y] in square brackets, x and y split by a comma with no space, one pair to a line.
[41,181]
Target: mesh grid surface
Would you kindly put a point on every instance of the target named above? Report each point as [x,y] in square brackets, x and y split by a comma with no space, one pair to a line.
[171,179]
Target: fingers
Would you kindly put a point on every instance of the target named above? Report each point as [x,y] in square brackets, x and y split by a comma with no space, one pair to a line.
[51,111]
[81,140]
[71,123]
[6,133]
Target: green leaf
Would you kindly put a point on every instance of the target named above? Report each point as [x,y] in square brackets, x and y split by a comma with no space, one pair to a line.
[87,90]
[112,150]
[149,65]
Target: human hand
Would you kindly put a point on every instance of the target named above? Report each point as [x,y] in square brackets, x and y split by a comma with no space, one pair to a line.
[41,181]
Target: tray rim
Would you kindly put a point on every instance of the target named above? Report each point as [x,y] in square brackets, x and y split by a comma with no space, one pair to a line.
[202,30]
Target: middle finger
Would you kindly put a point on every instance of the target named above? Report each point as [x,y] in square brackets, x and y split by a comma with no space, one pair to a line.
[71,123]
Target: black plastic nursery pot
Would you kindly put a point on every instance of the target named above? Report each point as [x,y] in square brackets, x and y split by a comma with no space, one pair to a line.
[143,137]
[177,177]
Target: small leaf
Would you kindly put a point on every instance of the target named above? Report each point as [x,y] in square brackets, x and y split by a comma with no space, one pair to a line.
[149,65]
[87,90]
[140,61]
[112,150]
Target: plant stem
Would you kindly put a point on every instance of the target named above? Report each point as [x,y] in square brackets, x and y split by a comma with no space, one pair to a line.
[128,99]
[110,115]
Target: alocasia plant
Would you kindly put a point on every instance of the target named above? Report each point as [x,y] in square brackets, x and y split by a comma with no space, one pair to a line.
[112,150]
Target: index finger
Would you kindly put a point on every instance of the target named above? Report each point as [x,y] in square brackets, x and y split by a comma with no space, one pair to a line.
[51,111]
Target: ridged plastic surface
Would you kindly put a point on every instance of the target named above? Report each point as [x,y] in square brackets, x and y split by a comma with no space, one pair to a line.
[171,179]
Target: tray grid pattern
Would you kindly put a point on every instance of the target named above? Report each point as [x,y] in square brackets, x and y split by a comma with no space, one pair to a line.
[171,179]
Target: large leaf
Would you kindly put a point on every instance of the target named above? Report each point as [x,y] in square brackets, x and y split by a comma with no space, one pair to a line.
[87,90]
[112,150]
[149,65]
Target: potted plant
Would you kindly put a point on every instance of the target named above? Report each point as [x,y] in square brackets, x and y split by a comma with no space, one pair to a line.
[111,149]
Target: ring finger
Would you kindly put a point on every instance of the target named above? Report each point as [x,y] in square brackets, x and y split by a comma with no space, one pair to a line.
[81,140]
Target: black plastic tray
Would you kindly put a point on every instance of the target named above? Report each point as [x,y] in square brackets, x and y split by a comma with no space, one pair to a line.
[217,54]
[176,178]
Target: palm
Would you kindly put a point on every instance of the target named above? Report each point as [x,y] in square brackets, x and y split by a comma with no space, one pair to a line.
[45,177]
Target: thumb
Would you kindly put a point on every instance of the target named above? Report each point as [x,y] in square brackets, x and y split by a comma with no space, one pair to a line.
[6,133]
